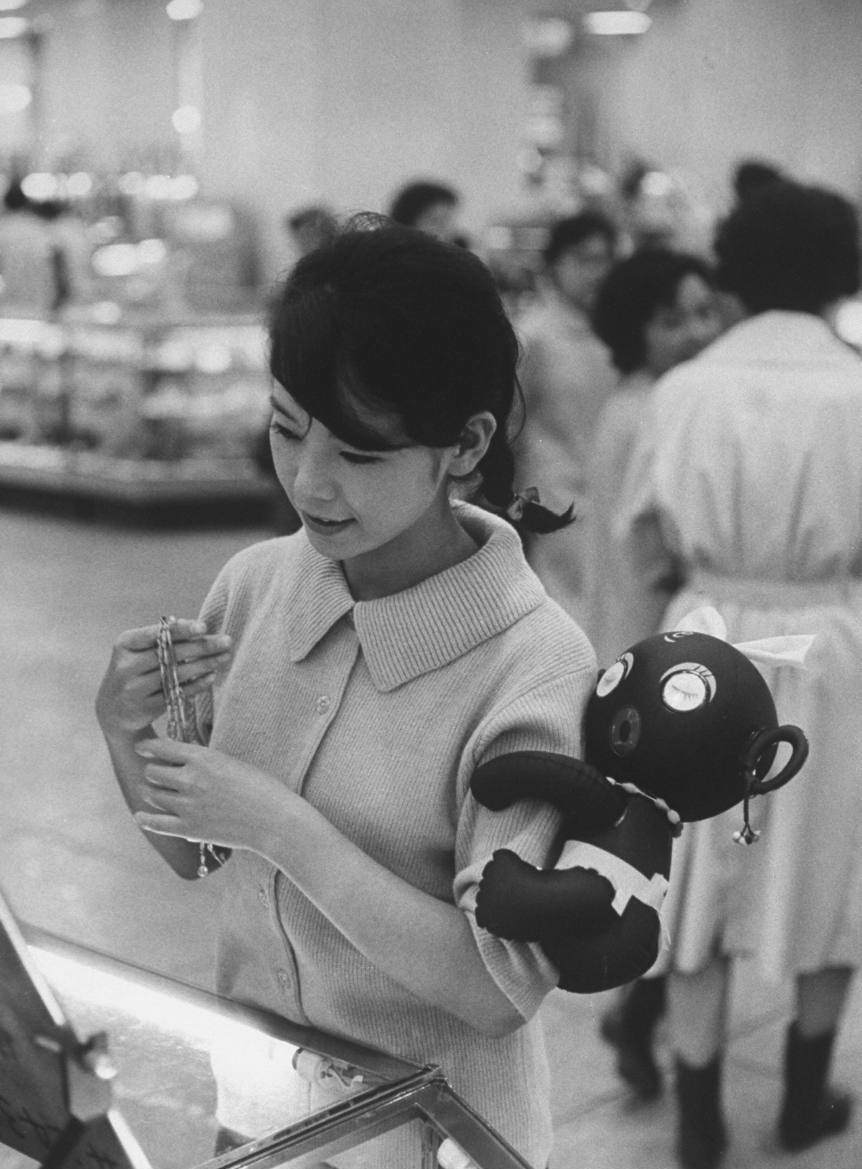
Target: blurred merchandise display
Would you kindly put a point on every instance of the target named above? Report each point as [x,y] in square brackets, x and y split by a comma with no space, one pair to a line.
[138,410]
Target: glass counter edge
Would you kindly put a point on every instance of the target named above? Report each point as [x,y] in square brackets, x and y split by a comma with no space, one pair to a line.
[383,1068]
[403,1091]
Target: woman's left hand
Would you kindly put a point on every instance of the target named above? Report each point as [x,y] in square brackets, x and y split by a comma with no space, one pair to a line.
[201,794]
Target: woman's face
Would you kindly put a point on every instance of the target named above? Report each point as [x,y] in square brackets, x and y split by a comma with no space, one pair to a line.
[580,269]
[679,331]
[375,511]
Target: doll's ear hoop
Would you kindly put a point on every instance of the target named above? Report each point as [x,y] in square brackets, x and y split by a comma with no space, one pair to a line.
[761,743]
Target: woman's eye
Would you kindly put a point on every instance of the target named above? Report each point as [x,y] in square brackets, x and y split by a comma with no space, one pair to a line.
[282,431]
[358,459]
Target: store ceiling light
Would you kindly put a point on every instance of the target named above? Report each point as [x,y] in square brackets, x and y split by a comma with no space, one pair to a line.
[40,185]
[616,23]
[14,98]
[184,9]
[11,5]
[13,26]
[186,119]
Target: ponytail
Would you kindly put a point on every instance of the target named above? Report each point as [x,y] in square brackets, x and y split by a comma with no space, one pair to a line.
[522,509]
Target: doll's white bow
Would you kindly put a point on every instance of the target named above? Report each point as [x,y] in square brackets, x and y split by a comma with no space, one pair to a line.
[787,650]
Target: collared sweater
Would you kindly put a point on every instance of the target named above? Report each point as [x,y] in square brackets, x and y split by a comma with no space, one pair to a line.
[378,712]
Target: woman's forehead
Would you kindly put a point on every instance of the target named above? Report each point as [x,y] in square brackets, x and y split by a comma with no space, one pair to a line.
[357,414]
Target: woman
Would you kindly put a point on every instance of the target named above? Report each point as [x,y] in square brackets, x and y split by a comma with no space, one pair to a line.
[749,476]
[654,310]
[377,657]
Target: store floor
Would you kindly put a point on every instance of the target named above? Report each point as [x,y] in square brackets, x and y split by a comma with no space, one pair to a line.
[71,861]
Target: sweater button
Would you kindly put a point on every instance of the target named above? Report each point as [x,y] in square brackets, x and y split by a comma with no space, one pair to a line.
[323,704]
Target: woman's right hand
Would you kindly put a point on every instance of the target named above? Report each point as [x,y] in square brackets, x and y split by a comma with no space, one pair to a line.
[130,696]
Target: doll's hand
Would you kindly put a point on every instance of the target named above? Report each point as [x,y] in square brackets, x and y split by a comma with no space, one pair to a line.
[130,696]
[201,794]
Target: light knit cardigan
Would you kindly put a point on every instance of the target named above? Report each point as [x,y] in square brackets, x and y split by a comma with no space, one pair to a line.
[379,712]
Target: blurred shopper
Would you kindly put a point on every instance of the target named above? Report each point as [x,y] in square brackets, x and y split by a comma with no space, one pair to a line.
[749,476]
[27,256]
[431,207]
[655,309]
[310,227]
[753,175]
[71,250]
[377,658]
[566,376]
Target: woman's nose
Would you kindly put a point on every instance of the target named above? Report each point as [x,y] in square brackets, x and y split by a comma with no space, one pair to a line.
[313,479]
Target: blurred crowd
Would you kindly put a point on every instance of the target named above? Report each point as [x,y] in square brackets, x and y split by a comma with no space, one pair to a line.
[696,408]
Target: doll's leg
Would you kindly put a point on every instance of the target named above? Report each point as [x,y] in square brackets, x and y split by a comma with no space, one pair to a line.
[811,1110]
[697,1011]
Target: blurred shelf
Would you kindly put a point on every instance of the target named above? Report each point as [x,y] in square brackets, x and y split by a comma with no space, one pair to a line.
[128,481]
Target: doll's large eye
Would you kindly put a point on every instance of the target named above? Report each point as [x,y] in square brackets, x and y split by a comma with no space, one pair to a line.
[687,686]
[613,675]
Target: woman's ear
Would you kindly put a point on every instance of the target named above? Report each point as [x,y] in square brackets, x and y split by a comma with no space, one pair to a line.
[473,443]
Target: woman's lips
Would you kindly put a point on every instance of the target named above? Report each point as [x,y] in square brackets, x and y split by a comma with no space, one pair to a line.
[323,526]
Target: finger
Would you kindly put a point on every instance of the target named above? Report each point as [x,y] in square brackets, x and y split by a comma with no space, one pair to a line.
[199,685]
[213,645]
[169,779]
[182,629]
[168,750]
[191,671]
[160,823]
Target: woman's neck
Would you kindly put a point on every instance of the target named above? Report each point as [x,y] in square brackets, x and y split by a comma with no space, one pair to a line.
[424,551]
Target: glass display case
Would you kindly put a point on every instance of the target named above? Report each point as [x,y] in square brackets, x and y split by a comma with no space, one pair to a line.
[107,1066]
[135,410]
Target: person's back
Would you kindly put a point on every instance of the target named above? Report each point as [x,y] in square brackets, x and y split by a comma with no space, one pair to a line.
[765,426]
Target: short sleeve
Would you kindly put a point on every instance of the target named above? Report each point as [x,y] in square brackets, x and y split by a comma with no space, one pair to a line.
[547,718]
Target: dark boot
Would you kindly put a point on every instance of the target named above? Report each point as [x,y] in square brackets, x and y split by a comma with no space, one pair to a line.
[701,1135]
[630,1028]
[811,1110]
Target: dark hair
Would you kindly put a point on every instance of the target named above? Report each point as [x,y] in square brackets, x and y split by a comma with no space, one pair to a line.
[789,247]
[315,215]
[414,200]
[632,292]
[14,198]
[574,229]
[752,175]
[391,319]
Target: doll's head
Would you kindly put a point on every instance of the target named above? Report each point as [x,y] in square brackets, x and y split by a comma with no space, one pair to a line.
[686,717]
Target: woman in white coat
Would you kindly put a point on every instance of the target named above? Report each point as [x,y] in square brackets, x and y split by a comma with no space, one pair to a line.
[749,476]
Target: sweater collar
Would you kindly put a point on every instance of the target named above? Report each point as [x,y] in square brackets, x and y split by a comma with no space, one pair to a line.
[425,627]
